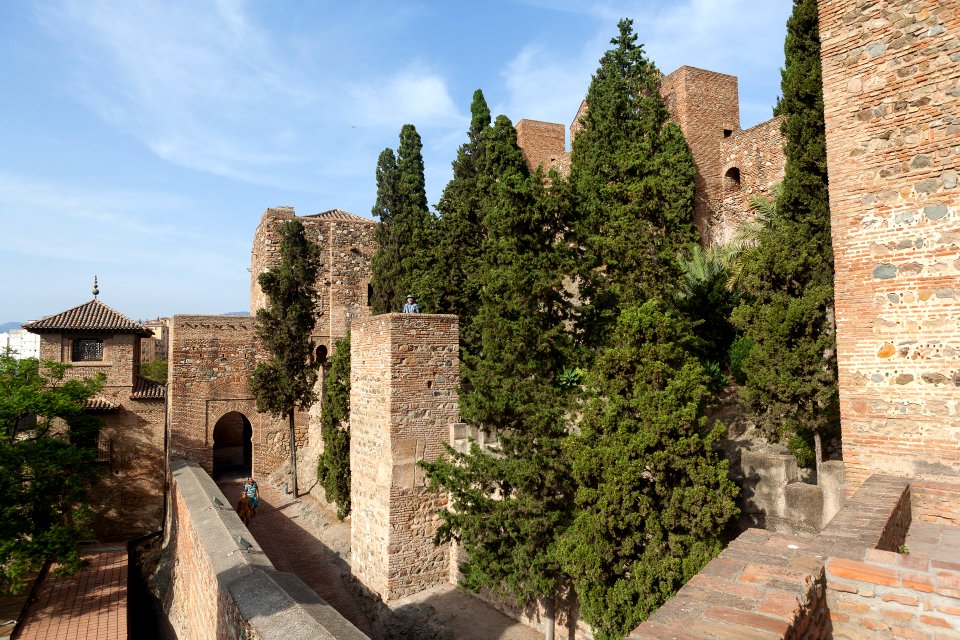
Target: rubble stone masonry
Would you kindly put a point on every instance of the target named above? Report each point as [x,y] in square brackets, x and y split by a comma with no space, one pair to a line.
[211,358]
[892,103]
[404,375]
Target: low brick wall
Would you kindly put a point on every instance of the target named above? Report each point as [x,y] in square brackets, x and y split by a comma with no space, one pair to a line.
[771,585]
[936,502]
[888,594]
[220,592]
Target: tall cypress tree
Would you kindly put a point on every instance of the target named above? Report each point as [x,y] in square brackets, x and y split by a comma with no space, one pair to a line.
[333,467]
[652,498]
[404,231]
[285,382]
[452,283]
[633,178]
[791,371]
[508,509]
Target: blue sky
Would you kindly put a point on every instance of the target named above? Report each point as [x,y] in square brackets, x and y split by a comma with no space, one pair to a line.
[141,141]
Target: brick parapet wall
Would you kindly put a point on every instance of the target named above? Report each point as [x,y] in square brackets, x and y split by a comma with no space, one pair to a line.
[220,592]
[757,154]
[937,502]
[891,86]
[770,585]
[886,594]
[404,375]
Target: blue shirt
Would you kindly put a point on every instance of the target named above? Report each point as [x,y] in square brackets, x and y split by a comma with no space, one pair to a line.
[411,307]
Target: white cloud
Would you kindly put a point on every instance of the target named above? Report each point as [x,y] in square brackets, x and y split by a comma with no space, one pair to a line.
[195,82]
[412,95]
[547,81]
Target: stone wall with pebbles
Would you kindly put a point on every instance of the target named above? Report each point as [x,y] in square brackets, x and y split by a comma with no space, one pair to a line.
[892,102]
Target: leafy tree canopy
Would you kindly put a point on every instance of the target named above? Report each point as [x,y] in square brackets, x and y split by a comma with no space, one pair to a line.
[787,278]
[46,467]
[404,233]
[509,506]
[285,381]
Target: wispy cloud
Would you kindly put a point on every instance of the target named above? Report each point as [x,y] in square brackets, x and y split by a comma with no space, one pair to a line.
[207,86]
[548,80]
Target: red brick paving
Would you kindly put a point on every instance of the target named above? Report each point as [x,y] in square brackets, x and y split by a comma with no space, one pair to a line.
[89,605]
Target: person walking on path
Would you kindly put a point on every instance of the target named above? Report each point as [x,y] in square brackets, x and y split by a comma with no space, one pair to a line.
[245,509]
[411,306]
[252,492]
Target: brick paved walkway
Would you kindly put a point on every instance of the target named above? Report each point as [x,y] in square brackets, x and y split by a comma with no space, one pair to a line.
[293,546]
[91,604]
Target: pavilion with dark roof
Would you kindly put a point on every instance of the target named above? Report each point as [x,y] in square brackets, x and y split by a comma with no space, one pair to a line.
[95,338]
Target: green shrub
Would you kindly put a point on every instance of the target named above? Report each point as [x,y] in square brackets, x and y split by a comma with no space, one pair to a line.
[739,351]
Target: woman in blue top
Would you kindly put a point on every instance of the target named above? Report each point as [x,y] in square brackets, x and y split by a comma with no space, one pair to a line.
[253,492]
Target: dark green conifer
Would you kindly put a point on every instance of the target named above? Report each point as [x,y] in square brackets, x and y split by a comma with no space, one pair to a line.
[652,498]
[405,228]
[509,508]
[333,468]
[453,280]
[791,371]
[285,382]
[633,178]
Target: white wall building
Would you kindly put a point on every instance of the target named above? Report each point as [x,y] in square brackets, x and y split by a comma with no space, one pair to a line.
[23,343]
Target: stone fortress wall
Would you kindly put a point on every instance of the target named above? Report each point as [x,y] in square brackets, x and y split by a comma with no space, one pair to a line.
[732,164]
[892,104]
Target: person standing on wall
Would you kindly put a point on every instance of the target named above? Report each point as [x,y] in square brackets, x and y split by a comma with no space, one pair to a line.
[411,306]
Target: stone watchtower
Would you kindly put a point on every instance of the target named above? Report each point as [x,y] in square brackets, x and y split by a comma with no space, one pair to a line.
[343,281]
[404,372]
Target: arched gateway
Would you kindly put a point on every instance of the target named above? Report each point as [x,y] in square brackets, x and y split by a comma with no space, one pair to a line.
[232,446]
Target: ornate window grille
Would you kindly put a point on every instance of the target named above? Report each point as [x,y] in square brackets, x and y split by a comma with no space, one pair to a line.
[85,349]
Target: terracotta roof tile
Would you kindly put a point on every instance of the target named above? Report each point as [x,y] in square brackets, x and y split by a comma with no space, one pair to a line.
[144,389]
[99,403]
[90,316]
[339,214]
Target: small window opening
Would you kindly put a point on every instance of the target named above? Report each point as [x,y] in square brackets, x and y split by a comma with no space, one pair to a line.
[727,133]
[369,294]
[732,179]
[322,354]
[87,349]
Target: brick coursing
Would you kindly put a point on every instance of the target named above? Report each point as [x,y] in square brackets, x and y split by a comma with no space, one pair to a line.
[771,585]
[211,358]
[891,85]
[404,371]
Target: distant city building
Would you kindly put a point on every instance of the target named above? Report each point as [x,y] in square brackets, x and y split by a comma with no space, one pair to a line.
[22,343]
[155,348]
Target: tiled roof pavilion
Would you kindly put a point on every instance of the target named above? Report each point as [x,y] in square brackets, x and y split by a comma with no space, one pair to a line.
[90,316]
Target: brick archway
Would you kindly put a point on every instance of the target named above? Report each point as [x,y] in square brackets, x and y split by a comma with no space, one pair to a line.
[232,437]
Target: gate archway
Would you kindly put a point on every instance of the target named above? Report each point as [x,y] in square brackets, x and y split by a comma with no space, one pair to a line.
[232,446]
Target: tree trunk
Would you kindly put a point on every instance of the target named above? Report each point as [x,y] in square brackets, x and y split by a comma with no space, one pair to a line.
[818,452]
[293,458]
[550,617]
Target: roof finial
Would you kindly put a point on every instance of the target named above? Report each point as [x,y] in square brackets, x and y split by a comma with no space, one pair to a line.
[96,291]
